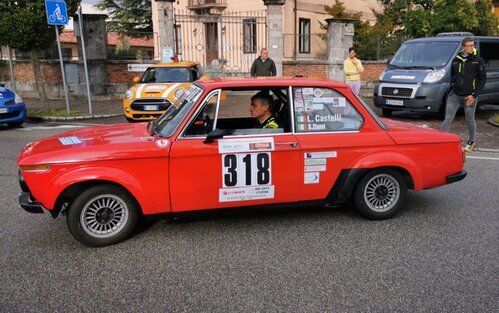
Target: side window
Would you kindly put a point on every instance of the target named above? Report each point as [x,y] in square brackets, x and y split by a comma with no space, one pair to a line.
[488,52]
[202,125]
[252,111]
[323,110]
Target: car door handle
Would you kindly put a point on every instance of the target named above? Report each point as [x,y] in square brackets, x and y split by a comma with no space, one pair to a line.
[292,144]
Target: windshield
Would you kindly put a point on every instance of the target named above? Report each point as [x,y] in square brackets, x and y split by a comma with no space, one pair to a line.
[166,125]
[167,75]
[425,54]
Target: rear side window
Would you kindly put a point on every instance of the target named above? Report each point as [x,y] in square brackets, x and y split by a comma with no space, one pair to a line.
[324,110]
[489,53]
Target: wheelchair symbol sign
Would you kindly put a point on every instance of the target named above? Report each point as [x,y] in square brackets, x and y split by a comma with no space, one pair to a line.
[56,12]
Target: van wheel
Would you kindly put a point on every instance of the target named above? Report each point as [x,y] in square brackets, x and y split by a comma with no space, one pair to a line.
[387,112]
[380,193]
[102,215]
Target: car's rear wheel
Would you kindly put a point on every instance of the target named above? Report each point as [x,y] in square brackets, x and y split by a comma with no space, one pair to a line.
[380,193]
[15,124]
[102,215]
[387,112]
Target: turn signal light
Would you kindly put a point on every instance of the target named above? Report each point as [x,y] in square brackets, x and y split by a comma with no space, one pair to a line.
[35,168]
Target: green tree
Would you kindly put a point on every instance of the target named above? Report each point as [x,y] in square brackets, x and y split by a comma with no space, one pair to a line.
[487,22]
[23,26]
[128,17]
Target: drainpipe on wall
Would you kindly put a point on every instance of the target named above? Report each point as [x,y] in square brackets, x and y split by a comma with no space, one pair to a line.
[295,52]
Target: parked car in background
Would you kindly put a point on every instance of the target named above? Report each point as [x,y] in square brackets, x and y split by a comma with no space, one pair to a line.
[206,153]
[418,77]
[12,108]
[160,85]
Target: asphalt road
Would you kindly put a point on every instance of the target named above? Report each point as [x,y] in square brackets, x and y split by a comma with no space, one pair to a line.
[439,254]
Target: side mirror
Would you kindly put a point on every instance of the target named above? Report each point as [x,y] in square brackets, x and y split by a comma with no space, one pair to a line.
[136,79]
[388,61]
[216,134]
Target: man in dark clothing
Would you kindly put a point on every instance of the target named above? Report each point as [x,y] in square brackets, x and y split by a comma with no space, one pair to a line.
[260,108]
[467,80]
[263,65]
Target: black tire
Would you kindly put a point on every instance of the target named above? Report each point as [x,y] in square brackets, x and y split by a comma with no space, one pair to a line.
[15,124]
[131,120]
[386,112]
[103,215]
[380,193]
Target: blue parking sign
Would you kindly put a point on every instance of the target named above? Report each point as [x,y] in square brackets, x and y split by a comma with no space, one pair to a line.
[56,12]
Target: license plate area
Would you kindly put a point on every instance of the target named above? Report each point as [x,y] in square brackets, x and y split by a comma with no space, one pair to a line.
[394,102]
[151,107]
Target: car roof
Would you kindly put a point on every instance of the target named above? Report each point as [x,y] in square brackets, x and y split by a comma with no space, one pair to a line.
[175,64]
[256,82]
[449,38]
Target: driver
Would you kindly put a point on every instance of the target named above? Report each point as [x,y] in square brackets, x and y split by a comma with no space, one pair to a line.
[260,108]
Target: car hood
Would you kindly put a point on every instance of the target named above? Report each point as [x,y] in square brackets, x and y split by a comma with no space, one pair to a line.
[98,143]
[6,96]
[405,76]
[157,89]
[407,133]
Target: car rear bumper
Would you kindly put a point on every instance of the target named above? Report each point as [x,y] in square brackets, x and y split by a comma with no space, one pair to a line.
[456,177]
[28,204]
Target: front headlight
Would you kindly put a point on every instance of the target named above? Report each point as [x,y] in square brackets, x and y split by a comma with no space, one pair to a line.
[178,93]
[18,99]
[434,76]
[128,94]
[381,75]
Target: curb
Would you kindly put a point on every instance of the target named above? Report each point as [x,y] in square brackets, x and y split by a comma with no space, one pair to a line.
[491,121]
[487,150]
[70,118]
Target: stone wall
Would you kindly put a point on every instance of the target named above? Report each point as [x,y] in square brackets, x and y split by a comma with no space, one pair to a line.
[318,69]
[120,79]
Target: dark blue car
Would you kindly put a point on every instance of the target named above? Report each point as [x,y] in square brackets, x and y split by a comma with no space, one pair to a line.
[12,108]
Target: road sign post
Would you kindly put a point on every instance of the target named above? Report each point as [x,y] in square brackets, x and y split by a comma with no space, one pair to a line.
[57,15]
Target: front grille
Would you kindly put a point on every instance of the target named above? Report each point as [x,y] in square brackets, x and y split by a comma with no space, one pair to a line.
[138,104]
[150,115]
[9,115]
[10,102]
[396,92]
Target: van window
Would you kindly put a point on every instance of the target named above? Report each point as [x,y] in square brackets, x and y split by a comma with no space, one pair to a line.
[488,52]
[424,54]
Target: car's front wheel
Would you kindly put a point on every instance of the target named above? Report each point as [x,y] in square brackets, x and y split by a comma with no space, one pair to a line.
[15,124]
[380,193]
[102,215]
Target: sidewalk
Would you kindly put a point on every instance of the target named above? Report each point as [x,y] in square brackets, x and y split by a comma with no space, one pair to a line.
[78,107]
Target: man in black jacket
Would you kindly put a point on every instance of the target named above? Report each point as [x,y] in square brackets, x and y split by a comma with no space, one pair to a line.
[263,65]
[467,80]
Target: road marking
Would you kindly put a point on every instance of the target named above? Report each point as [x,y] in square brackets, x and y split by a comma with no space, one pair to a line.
[482,158]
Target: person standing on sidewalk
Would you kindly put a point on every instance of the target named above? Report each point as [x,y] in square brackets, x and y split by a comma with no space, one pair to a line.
[467,80]
[353,67]
[263,65]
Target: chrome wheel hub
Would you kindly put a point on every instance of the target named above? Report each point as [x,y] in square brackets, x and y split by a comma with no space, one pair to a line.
[104,216]
[382,193]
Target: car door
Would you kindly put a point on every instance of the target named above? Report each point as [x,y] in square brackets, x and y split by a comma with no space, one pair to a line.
[247,167]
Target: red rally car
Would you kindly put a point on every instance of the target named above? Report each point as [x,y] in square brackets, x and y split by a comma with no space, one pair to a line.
[206,153]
